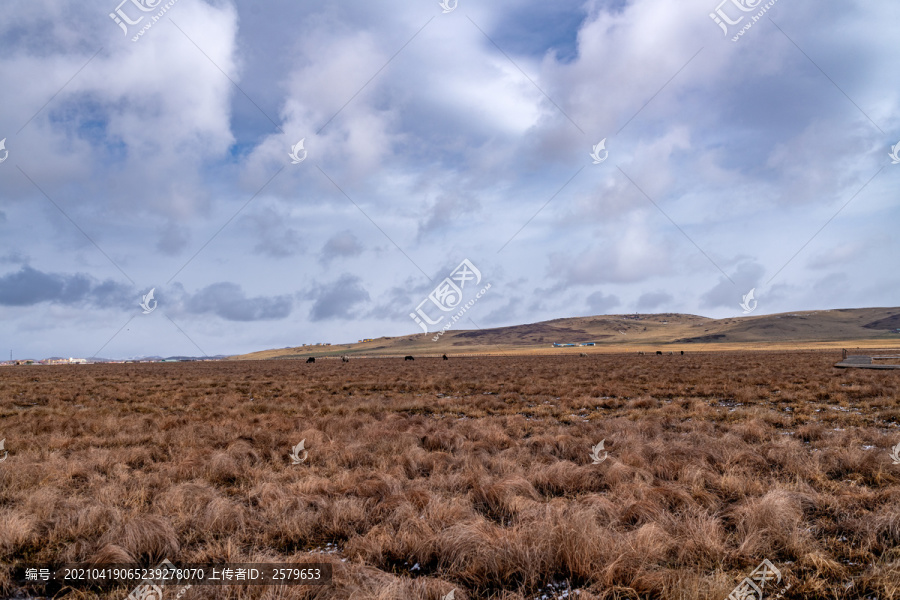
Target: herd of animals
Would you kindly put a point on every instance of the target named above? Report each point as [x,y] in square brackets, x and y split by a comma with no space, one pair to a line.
[346,358]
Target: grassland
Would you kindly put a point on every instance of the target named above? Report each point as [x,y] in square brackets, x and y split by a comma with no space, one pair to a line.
[471,475]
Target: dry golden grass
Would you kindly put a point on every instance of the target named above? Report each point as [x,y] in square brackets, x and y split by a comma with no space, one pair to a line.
[477,470]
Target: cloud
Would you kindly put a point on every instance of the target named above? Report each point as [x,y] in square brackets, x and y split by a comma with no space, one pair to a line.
[397,302]
[173,239]
[150,113]
[600,304]
[276,238]
[448,210]
[805,163]
[843,253]
[505,314]
[417,122]
[228,301]
[342,244]
[337,300]
[14,257]
[652,300]
[28,287]
[630,254]
[727,294]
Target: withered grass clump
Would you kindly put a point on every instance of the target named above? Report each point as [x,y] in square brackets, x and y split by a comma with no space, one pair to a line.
[473,474]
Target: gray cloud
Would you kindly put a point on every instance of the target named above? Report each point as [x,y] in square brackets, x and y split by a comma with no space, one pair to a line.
[276,238]
[600,304]
[173,239]
[342,244]
[727,294]
[28,286]
[337,300]
[228,301]
[15,257]
[506,314]
[397,301]
[653,300]
[447,211]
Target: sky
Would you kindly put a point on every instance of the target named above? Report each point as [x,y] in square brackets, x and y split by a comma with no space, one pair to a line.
[283,173]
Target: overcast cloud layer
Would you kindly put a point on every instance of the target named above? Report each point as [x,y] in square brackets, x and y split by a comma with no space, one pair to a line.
[430,137]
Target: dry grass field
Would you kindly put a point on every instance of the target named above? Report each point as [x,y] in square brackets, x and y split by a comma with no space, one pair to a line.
[472,474]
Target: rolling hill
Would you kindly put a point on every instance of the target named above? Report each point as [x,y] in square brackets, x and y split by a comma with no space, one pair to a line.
[872,327]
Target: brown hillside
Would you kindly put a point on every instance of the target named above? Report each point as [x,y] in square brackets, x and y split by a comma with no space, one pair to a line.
[637,332]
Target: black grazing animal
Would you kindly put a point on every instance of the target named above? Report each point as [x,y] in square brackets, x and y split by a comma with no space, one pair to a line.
[659,352]
[682,352]
[311,359]
[345,359]
[445,357]
[408,358]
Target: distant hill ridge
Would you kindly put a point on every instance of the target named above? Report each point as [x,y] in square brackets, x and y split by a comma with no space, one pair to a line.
[625,333]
